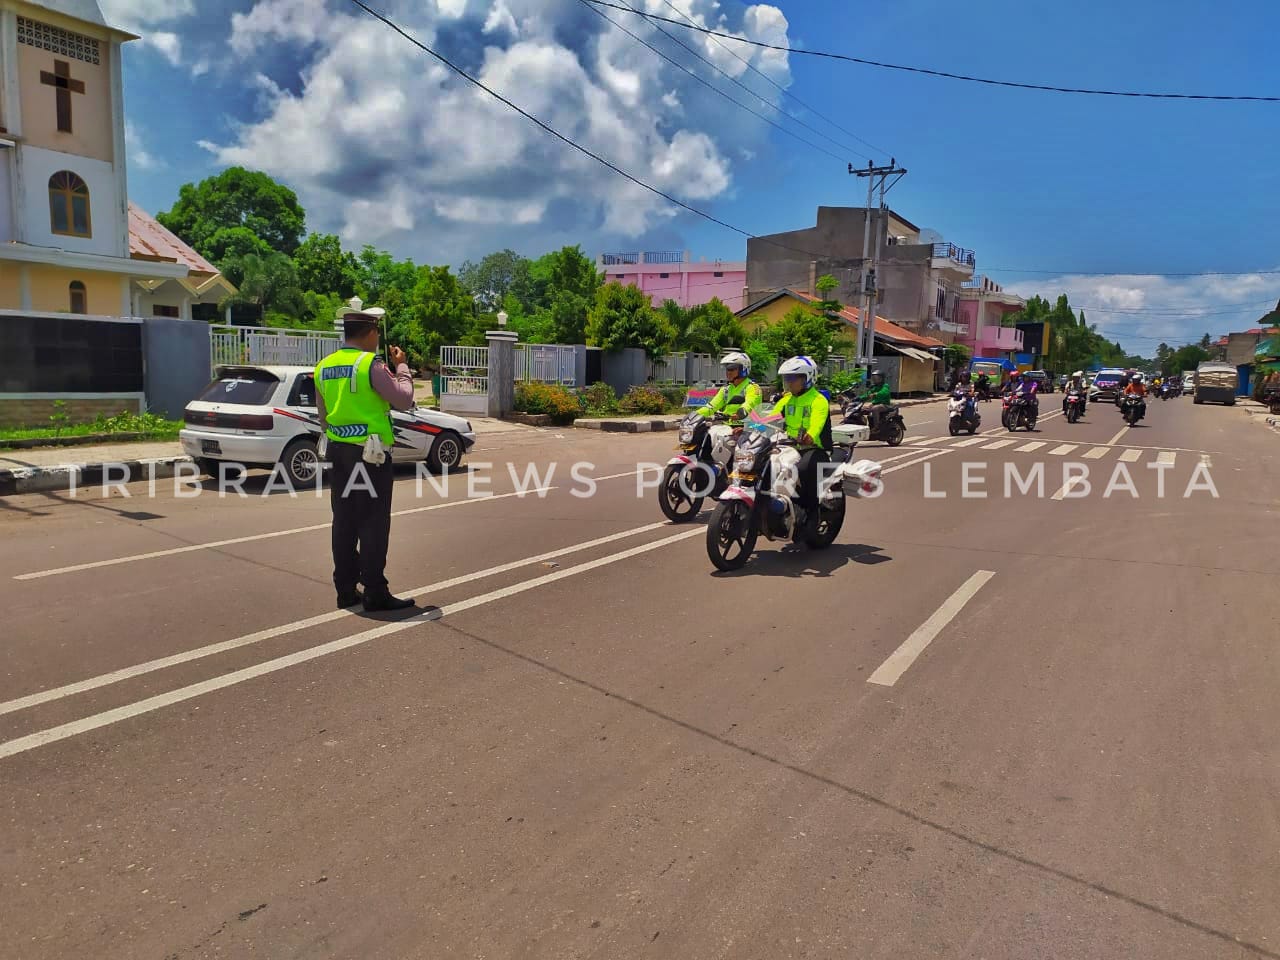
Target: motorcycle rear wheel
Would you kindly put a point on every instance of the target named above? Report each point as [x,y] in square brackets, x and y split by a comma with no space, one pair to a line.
[953,427]
[676,505]
[731,526]
[830,520]
[896,433]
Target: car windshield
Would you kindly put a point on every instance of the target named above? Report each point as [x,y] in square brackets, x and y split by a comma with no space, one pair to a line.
[249,388]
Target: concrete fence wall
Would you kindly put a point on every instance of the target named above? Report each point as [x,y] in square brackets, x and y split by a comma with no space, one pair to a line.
[178,361]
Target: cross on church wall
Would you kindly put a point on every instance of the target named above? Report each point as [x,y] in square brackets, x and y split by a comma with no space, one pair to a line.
[64,87]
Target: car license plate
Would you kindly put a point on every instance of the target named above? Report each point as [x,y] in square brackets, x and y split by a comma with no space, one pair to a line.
[210,446]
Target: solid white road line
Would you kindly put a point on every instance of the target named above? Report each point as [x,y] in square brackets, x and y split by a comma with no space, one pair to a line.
[96,721]
[917,441]
[888,673]
[1130,456]
[999,445]
[213,545]
[1123,431]
[1062,449]
[212,649]
[1167,456]
[1097,453]
[1028,447]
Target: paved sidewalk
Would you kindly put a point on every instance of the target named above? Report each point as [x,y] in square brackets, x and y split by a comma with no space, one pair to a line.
[91,454]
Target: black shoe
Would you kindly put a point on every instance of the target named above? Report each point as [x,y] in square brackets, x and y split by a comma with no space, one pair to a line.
[385,601]
[352,598]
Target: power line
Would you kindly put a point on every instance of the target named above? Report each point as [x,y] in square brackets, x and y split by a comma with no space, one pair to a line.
[711,86]
[573,143]
[941,73]
[773,83]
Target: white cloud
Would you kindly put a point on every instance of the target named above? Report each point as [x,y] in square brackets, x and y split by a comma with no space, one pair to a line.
[1141,311]
[138,156]
[148,12]
[387,146]
[167,43]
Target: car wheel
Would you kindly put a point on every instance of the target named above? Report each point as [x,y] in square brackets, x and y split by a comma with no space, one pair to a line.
[445,454]
[301,463]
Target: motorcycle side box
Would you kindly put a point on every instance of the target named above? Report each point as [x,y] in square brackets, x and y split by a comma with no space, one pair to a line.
[846,433]
[854,477]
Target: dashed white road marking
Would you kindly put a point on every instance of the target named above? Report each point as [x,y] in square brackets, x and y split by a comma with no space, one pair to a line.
[1062,449]
[888,673]
[999,444]
[1205,459]
[1028,447]
[969,441]
[106,718]
[1166,456]
[1097,453]
[1130,456]
[1123,431]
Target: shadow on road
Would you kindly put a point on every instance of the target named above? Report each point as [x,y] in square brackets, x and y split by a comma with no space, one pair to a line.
[794,560]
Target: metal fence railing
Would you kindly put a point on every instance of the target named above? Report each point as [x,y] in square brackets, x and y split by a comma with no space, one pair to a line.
[548,363]
[464,370]
[233,345]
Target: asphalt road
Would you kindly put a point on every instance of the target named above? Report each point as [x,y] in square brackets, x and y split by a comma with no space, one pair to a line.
[999,727]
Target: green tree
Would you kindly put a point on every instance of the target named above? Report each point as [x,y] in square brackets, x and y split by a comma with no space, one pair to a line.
[564,285]
[237,197]
[378,274]
[324,267]
[441,308]
[228,245]
[709,327]
[800,332]
[622,317]
[268,287]
[1206,342]
[956,355]
[497,275]
[1187,358]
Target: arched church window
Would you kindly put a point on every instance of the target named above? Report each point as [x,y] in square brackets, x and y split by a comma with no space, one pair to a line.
[79,299]
[69,205]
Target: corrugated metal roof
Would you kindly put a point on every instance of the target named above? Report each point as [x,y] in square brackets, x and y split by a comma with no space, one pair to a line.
[148,240]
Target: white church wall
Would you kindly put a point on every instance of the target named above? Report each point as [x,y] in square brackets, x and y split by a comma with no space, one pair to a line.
[38,166]
[6,198]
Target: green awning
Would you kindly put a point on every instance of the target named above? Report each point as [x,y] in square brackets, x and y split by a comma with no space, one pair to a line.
[1267,348]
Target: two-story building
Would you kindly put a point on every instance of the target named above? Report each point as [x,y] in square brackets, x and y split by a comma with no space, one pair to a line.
[981,308]
[673,275]
[918,281]
[81,269]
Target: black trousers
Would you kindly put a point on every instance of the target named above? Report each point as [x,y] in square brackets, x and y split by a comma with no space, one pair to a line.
[360,495]
[808,479]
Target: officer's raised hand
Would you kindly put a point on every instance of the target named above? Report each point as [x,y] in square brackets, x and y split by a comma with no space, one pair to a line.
[396,356]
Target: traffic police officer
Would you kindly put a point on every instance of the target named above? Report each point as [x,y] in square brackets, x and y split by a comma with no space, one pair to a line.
[355,393]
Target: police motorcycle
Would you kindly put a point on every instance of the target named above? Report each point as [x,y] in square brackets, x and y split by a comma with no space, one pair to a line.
[762,495]
[700,469]
[1074,403]
[962,413]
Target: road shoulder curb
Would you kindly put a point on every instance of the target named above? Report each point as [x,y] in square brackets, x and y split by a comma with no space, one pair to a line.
[14,482]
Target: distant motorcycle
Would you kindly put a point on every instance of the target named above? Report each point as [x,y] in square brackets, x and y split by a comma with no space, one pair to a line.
[1133,409]
[1166,391]
[891,429]
[1075,405]
[1021,414]
[962,414]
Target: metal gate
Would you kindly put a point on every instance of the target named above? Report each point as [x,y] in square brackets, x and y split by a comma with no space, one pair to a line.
[549,363]
[464,379]
[268,345]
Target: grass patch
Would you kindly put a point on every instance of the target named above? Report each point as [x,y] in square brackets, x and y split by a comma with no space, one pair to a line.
[150,426]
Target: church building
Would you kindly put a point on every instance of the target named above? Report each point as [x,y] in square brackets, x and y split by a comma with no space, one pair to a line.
[78,261]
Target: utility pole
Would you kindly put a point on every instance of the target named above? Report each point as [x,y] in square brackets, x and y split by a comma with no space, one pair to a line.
[876,177]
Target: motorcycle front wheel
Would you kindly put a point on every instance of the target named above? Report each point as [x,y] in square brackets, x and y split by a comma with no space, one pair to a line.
[830,520]
[1073,415]
[954,426]
[896,433]
[677,506]
[731,535]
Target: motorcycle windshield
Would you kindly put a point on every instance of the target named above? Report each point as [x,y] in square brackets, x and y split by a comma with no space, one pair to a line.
[764,422]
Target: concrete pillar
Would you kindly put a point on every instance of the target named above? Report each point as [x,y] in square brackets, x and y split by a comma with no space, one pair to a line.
[126,297]
[502,371]
[185,311]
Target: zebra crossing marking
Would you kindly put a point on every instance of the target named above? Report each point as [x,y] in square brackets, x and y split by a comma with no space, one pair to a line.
[1028,447]
[1166,456]
[1130,456]
[1062,449]
[1097,453]
[969,441]
[999,444]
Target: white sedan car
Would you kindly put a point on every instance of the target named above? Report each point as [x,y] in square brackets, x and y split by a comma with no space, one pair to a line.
[258,416]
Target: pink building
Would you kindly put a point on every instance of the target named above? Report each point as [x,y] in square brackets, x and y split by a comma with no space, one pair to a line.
[980,307]
[671,275]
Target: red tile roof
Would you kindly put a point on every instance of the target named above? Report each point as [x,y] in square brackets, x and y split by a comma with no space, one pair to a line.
[148,240]
[884,328]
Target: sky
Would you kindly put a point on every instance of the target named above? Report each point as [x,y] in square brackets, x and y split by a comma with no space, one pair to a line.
[386,146]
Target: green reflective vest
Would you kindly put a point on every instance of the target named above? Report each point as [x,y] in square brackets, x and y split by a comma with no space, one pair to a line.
[734,401]
[809,412]
[353,409]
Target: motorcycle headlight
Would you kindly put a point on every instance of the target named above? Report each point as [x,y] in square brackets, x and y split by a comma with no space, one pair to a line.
[685,435]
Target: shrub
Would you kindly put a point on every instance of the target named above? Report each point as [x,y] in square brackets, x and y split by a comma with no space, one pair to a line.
[649,400]
[560,404]
[599,398]
[674,393]
[840,381]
